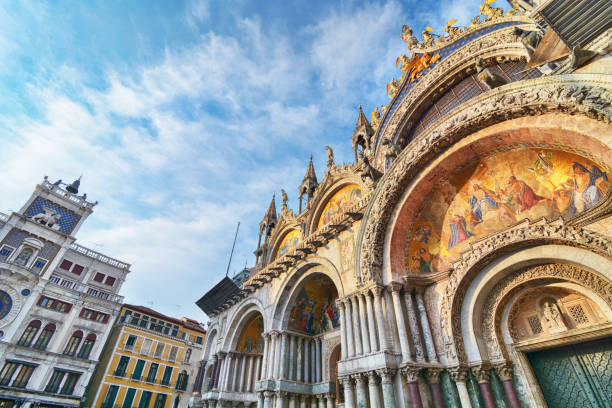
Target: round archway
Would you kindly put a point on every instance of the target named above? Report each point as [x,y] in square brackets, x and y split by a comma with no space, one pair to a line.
[313,310]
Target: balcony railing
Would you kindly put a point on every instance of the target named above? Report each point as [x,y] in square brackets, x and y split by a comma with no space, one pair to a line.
[65,194]
[83,288]
[99,257]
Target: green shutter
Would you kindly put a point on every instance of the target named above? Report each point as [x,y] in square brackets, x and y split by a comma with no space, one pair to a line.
[167,375]
[129,398]
[145,399]
[138,369]
[111,394]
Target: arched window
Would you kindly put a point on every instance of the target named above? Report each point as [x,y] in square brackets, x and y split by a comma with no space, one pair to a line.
[25,255]
[73,343]
[87,346]
[45,337]
[29,333]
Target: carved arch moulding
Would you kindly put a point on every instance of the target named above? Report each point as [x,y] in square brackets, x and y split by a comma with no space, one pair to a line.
[589,97]
[494,246]
[502,291]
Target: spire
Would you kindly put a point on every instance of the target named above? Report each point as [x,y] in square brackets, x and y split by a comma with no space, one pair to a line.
[270,217]
[309,183]
[362,120]
[362,137]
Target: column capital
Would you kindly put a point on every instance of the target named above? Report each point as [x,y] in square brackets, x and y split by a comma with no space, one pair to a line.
[371,376]
[268,394]
[359,378]
[411,373]
[482,373]
[284,335]
[281,394]
[433,375]
[386,374]
[345,380]
[458,374]
[504,371]
[377,290]
[396,287]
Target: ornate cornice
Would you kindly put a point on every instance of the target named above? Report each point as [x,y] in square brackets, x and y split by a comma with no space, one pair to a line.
[502,42]
[576,94]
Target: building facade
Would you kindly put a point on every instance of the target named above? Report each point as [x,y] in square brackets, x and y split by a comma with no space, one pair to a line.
[465,258]
[58,300]
[150,360]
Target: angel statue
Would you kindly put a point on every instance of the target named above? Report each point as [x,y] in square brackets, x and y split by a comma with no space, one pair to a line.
[428,37]
[453,32]
[410,40]
[492,13]
[392,88]
[330,157]
[375,118]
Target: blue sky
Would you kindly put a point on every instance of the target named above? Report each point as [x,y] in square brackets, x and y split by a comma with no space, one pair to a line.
[184,117]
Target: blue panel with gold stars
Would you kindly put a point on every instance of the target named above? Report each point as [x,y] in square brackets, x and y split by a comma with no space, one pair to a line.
[46,213]
[6,304]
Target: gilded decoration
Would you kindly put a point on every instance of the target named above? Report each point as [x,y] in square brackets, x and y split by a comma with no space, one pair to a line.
[347,251]
[591,98]
[252,337]
[314,309]
[290,241]
[492,193]
[339,203]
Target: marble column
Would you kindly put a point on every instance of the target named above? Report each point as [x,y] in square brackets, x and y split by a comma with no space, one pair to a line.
[356,326]
[371,321]
[413,322]
[401,324]
[292,399]
[313,361]
[266,353]
[386,379]
[277,355]
[213,372]
[231,371]
[303,401]
[222,369]
[306,360]
[291,373]
[365,337]
[321,399]
[412,379]
[248,384]
[283,357]
[330,400]
[380,319]
[350,338]
[373,388]
[483,376]
[313,402]
[505,372]
[433,378]
[343,332]
[349,397]
[281,399]
[360,390]
[318,369]
[243,374]
[459,376]
[429,342]
[260,400]
[299,368]
[271,356]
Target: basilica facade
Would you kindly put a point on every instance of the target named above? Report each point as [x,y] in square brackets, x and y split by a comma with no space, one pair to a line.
[465,258]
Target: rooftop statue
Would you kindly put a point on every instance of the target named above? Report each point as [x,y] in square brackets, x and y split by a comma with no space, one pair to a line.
[410,40]
[330,157]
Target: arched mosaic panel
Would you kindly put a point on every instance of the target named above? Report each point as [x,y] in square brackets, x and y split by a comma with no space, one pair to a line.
[290,240]
[339,203]
[491,193]
[314,308]
[251,340]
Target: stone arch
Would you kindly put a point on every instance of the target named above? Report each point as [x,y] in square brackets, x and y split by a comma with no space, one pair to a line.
[211,339]
[294,282]
[280,237]
[240,320]
[294,277]
[335,355]
[531,110]
[326,195]
[479,273]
